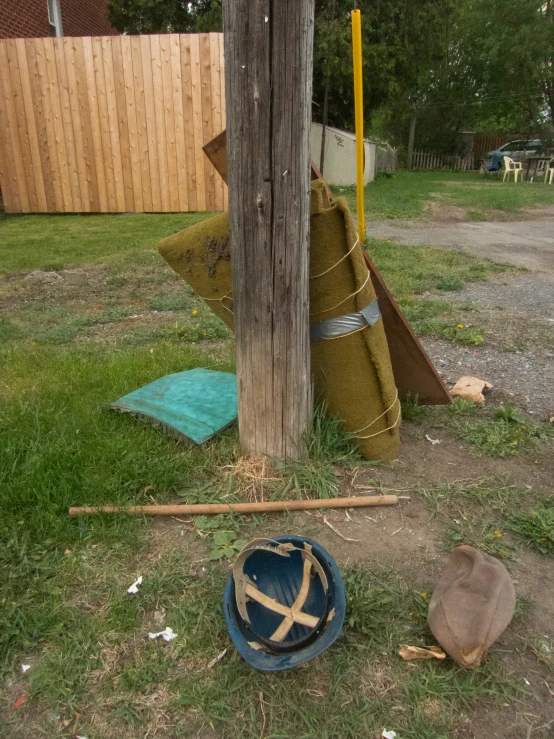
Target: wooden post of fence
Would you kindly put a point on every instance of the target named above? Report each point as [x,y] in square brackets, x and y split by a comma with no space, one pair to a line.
[268,72]
[411,141]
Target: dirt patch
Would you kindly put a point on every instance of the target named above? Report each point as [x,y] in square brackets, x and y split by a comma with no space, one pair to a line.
[440,212]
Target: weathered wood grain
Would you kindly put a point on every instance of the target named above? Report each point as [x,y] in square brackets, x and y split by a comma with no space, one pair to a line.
[268,72]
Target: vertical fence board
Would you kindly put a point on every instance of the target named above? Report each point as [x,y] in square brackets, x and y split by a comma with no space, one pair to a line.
[155,177]
[22,125]
[13,123]
[76,123]
[29,113]
[95,128]
[181,156]
[123,116]
[132,125]
[159,114]
[207,128]
[68,137]
[188,121]
[111,124]
[85,115]
[34,54]
[197,117]
[104,125]
[138,81]
[223,109]
[8,173]
[215,89]
[169,120]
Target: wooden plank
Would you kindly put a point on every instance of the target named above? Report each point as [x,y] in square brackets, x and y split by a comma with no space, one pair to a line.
[29,110]
[18,127]
[223,111]
[35,59]
[215,87]
[414,372]
[8,174]
[87,140]
[188,121]
[269,111]
[77,126]
[57,123]
[123,125]
[160,143]
[132,127]
[111,99]
[151,123]
[95,125]
[5,162]
[67,124]
[169,119]
[207,130]
[181,155]
[104,124]
[19,180]
[142,133]
[197,120]
[48,90]
[216,151]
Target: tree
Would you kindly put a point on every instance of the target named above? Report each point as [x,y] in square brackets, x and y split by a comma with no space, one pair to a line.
[165,16]
[401,41]
[508,48]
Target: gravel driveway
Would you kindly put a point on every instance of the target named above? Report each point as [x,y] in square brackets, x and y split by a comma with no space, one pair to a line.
[515,311]
[528,243]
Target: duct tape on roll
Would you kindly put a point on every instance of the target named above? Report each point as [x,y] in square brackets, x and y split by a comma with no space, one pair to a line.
[343,325]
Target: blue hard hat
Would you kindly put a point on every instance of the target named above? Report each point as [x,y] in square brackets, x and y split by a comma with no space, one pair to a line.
[284,602]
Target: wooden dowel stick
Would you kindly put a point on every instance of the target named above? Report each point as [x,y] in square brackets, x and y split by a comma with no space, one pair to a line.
[208,508]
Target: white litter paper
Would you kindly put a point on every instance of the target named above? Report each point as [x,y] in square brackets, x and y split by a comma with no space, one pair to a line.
[433,441]
[388,734]
[134,586]
[167,634]
[24,668]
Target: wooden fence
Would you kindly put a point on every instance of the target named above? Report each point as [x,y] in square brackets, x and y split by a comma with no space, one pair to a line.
[385,159]
[425,160]
[485,142]
[111,124]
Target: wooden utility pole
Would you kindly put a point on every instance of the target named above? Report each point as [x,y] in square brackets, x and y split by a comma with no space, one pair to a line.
[268,76]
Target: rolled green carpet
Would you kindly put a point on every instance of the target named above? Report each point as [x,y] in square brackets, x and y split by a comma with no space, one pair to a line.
[352,371]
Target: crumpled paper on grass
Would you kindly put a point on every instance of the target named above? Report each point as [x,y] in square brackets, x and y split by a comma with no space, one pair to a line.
[134,586]
[167,634]
[470,388]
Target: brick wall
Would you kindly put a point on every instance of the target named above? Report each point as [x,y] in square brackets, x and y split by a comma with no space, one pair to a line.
[23,18]
[29,18]
[85,18]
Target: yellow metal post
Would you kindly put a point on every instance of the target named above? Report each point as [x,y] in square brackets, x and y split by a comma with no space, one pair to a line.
[359,116]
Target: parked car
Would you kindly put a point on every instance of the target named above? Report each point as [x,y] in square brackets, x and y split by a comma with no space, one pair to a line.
[516,149]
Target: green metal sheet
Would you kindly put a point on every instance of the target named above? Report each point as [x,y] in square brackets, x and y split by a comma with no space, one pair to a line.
[195,404]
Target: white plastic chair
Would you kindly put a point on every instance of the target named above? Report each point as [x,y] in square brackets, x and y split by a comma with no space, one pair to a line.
[511,166]
[549,172]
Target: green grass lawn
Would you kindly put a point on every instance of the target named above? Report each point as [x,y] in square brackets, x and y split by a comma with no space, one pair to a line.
[405,194]
[118,319]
